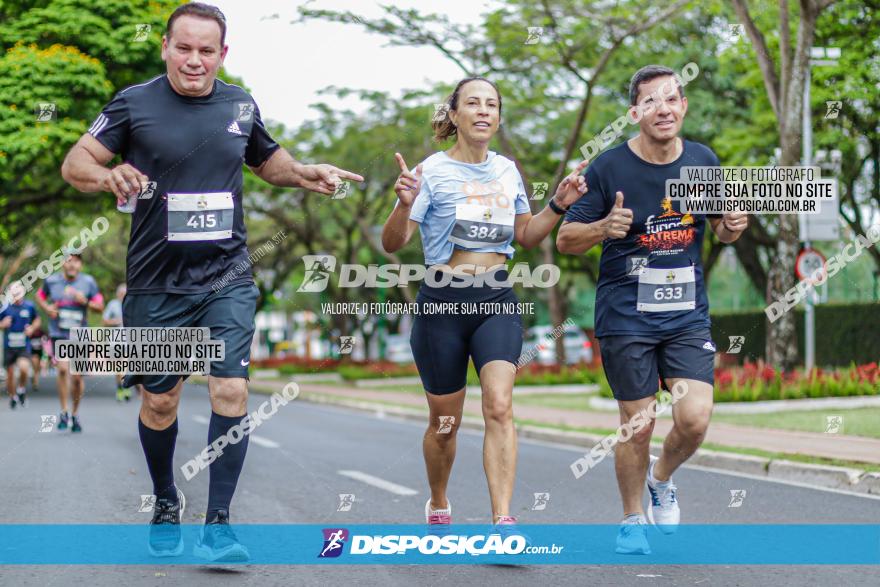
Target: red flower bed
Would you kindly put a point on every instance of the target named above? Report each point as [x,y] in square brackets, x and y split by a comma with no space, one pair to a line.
[757,381]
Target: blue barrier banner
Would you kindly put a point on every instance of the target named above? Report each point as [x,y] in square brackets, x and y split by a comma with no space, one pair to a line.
[279,544]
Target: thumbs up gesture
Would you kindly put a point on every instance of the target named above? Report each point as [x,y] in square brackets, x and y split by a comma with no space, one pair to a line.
[619,220]
[408,185]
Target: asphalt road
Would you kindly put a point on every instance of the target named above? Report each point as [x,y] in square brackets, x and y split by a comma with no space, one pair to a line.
[306,455]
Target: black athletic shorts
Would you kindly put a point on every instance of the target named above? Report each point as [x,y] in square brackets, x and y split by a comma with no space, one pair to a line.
[10,356]
[637,365]
[228,312]
[443,341]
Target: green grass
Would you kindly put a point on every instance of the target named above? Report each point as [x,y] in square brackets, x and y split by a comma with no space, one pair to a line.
[870,467]
[856,422]
[563,401]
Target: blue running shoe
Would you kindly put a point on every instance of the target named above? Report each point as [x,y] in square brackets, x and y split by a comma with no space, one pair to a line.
[218,543]
[632,538]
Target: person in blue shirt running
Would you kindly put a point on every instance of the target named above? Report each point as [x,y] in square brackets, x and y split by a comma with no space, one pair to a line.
[469,205]
[18,321]
[652,313]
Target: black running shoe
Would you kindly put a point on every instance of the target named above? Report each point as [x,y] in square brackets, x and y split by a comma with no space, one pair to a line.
[12,403]
[62,421]
[21,398]
[75,427]
[165,536]
[218,543]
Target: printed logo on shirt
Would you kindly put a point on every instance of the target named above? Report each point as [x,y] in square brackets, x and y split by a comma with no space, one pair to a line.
[99,125]
[670,233]
[486,194]
[709,346]
[233,128]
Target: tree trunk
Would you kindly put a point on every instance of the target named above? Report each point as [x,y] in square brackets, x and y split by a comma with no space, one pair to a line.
[782,344]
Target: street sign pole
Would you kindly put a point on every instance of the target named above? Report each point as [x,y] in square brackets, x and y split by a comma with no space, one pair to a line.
[809,313]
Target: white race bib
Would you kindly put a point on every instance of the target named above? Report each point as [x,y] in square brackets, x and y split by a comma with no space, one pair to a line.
[70,318]
[200,217]
[667,290]
[478,226]
[16,340]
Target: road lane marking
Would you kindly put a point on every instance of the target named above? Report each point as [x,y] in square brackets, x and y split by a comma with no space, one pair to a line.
[354,412]
[254,438]
[378,482]
[264,441]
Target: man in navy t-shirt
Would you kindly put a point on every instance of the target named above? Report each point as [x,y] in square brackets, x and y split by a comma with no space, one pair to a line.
[183,138]
[652,315]
[18,321]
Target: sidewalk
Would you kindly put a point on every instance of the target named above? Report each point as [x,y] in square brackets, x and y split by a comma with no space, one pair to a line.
[830,446]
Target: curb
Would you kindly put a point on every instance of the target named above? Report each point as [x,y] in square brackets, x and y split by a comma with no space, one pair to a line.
[769,407]
[749,464]
[821,476]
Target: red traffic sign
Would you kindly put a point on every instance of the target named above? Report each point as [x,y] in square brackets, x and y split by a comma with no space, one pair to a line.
[808,262]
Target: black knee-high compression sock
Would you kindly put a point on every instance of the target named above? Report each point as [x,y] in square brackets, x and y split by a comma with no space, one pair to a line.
[226,468]
[158,447]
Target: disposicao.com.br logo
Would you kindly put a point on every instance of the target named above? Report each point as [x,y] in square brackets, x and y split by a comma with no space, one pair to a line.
[476,545]
[319,269]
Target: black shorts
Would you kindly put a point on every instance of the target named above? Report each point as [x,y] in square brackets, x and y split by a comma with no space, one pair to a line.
[442,343]
[637,365]
[10,356]
[228,312]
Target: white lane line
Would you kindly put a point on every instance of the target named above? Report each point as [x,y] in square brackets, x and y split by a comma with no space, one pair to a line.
[264,441]
[780,481]
[577,449]
[377,482]
[254,438]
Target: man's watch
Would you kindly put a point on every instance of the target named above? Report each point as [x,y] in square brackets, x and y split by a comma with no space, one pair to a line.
[557,209]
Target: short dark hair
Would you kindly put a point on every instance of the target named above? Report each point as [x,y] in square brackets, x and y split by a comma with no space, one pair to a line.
[443,128]
[199,10]
[648,73]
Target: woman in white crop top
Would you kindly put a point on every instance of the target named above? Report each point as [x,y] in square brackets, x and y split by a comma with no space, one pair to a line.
[469,205]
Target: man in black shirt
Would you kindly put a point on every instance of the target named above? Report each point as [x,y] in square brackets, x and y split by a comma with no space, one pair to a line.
[652,313]
[183,137]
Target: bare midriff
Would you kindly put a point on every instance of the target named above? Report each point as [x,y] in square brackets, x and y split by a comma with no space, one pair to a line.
[482,261]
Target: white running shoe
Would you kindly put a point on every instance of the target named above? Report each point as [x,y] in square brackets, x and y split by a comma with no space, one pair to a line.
[438,517]
[663,509]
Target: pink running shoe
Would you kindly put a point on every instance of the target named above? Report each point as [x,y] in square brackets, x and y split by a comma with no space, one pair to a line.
[438,517]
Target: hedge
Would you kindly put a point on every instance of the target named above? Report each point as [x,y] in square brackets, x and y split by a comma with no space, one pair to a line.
[845,333]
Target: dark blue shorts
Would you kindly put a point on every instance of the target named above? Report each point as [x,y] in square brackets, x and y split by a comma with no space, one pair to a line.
[10,355]
[442,343]
[637,365]
[228,312]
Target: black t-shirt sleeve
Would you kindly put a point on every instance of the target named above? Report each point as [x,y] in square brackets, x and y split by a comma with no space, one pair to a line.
[594,205]
[260,144]
[112,125]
